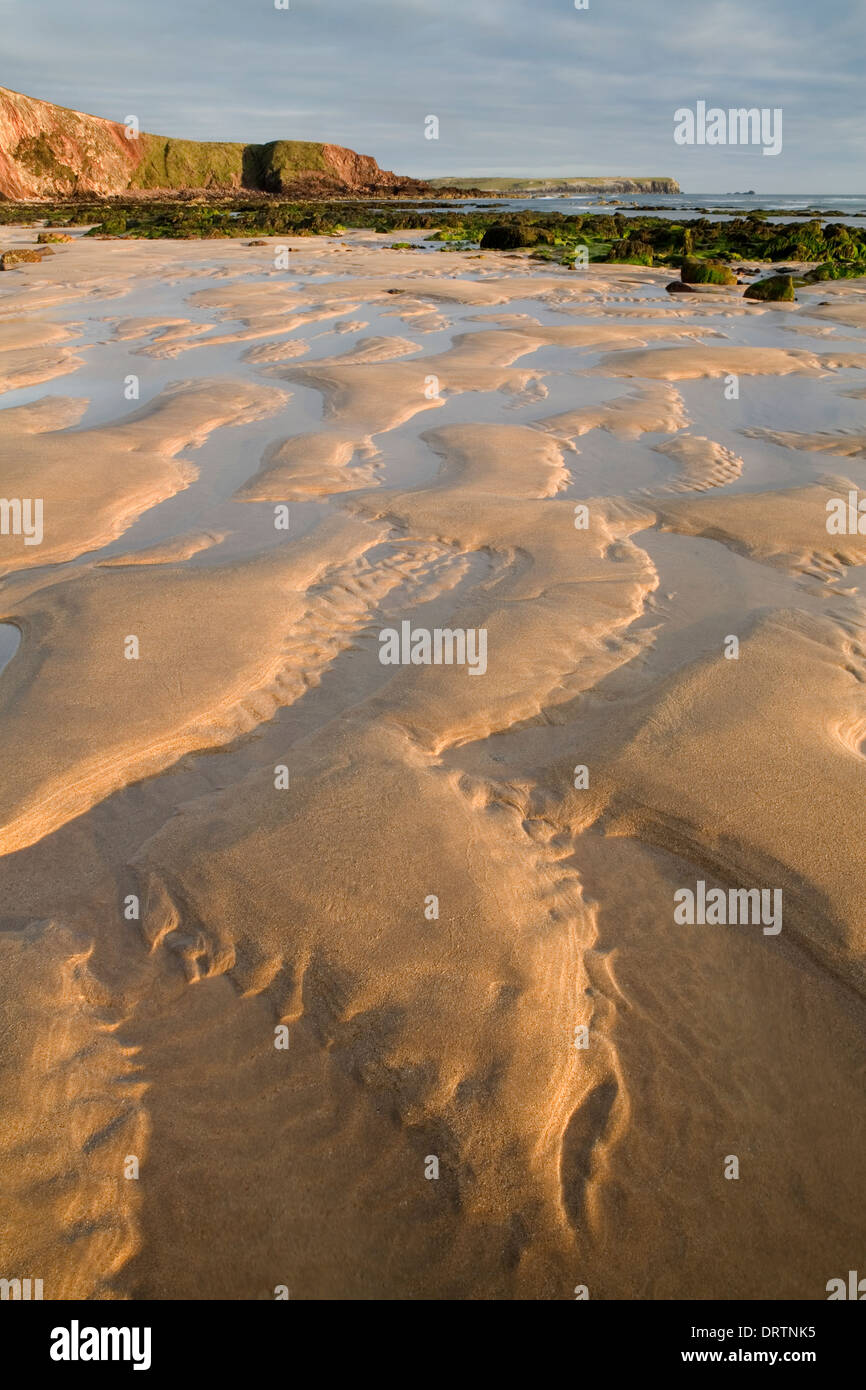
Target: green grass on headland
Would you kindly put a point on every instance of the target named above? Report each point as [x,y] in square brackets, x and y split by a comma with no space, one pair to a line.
[203,164]
[553,183]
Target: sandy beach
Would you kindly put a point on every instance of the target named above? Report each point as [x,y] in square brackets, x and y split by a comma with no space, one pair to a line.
[285,923]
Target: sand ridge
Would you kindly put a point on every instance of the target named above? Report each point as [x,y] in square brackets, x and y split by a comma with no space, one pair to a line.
[93,483]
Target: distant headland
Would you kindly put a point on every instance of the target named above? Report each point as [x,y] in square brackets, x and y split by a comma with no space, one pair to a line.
[523,187]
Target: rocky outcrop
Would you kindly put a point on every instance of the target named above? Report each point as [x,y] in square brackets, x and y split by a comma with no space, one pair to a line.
[22,256]
[502,237]
[523,187]
[706,272]
[47,151]
[774,287]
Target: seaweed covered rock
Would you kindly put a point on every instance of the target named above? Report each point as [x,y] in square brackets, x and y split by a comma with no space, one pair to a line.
[826,271]
[44,238]
[698,272]
[504,237]
[113,224]
[632,249]
[774,287]
[9,259]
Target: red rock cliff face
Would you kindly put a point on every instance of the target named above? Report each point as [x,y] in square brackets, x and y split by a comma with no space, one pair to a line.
[361,172]
[47,151]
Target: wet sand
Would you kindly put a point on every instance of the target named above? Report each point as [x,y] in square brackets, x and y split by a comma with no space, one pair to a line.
[225,824]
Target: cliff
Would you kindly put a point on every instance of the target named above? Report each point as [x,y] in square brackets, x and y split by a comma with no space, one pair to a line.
[520,187]
[47,151]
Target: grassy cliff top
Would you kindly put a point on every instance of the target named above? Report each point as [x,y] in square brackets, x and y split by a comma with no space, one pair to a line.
[172,163]
[527,185]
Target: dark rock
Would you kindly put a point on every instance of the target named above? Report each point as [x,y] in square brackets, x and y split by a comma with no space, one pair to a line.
[775,287]
[709,272]
[504,237]
[9,259]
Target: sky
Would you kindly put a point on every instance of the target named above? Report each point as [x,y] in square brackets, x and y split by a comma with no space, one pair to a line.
[522,87]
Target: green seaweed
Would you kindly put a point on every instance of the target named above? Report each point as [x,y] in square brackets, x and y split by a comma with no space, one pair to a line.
[774,287]
[705,272]
[835,250]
